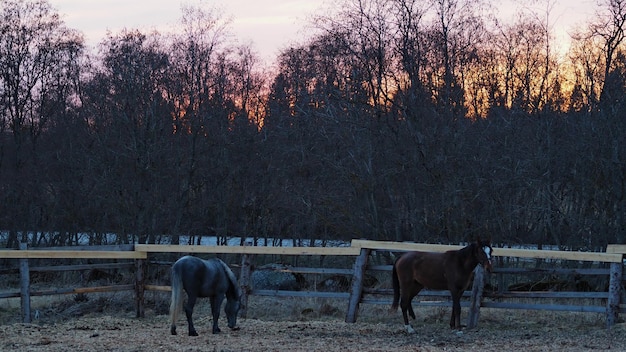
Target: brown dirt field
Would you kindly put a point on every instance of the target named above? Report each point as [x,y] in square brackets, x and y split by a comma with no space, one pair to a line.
[289,324]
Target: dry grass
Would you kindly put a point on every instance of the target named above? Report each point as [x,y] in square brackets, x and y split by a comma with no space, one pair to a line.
[107,322]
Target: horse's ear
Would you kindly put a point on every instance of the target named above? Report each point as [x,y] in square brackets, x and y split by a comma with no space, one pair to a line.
[480,242]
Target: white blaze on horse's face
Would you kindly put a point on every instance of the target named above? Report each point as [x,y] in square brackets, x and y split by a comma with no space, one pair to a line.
[488,251]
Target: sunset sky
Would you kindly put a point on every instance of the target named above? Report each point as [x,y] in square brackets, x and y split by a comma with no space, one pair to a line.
[270,25]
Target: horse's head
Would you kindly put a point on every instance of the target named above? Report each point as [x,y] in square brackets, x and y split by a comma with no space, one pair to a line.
[484,253]
[233,298]
[232,309]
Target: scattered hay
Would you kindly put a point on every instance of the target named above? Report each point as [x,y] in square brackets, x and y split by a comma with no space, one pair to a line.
[296,324]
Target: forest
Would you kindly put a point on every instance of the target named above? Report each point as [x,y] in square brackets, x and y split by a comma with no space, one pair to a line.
[406,120]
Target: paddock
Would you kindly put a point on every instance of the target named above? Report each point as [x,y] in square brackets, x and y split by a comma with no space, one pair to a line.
[305,324]
[504,325]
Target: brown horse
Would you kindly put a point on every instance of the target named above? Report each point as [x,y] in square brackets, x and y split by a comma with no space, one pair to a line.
[451,270]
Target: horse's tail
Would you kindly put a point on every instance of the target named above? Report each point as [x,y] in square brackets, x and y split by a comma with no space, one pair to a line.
[396,287]
[177,294]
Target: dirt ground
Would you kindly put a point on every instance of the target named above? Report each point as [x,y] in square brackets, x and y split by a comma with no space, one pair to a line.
[288,324]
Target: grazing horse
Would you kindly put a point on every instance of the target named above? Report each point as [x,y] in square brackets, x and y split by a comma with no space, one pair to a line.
[204,278]
[451,270]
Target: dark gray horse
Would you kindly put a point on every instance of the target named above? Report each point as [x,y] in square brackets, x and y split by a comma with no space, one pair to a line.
[204,278]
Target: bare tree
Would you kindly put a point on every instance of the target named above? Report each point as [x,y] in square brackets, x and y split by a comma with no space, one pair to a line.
[365,28]
[458,28]
[411,55]
[609,27]
[586,67]
[131,122]
[38,56]
[195,50]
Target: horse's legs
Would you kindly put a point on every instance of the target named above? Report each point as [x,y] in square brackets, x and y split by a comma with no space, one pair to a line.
[404,308]
[191,301]
[411,312]
[405,304]
[216,303]
[455,318]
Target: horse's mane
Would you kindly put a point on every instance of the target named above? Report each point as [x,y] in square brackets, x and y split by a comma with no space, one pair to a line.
[231,277]
[468,249]
[474,244]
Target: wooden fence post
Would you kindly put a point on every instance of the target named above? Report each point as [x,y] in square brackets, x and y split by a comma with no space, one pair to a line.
[357,285]
[244,283]
[140,266]
[615,285]
[477,297]
[25,287]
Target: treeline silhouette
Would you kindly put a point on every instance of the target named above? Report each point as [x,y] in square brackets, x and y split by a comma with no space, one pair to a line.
[405,120]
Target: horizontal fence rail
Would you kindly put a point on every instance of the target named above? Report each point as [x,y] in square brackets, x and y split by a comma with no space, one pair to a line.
[71,254]
[613,257]
[359,249]
[77,290]
[191,249]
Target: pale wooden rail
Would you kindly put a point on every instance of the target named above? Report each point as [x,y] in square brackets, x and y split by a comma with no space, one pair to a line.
[610,257]
[616,248]
[157,248]
[74,254]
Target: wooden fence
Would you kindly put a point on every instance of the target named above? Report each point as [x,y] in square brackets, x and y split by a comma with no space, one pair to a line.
[361,250]
[510,300]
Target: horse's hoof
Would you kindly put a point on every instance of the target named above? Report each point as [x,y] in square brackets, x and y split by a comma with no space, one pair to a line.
[173,331]
[235,328]
[216,331]
[193,333]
